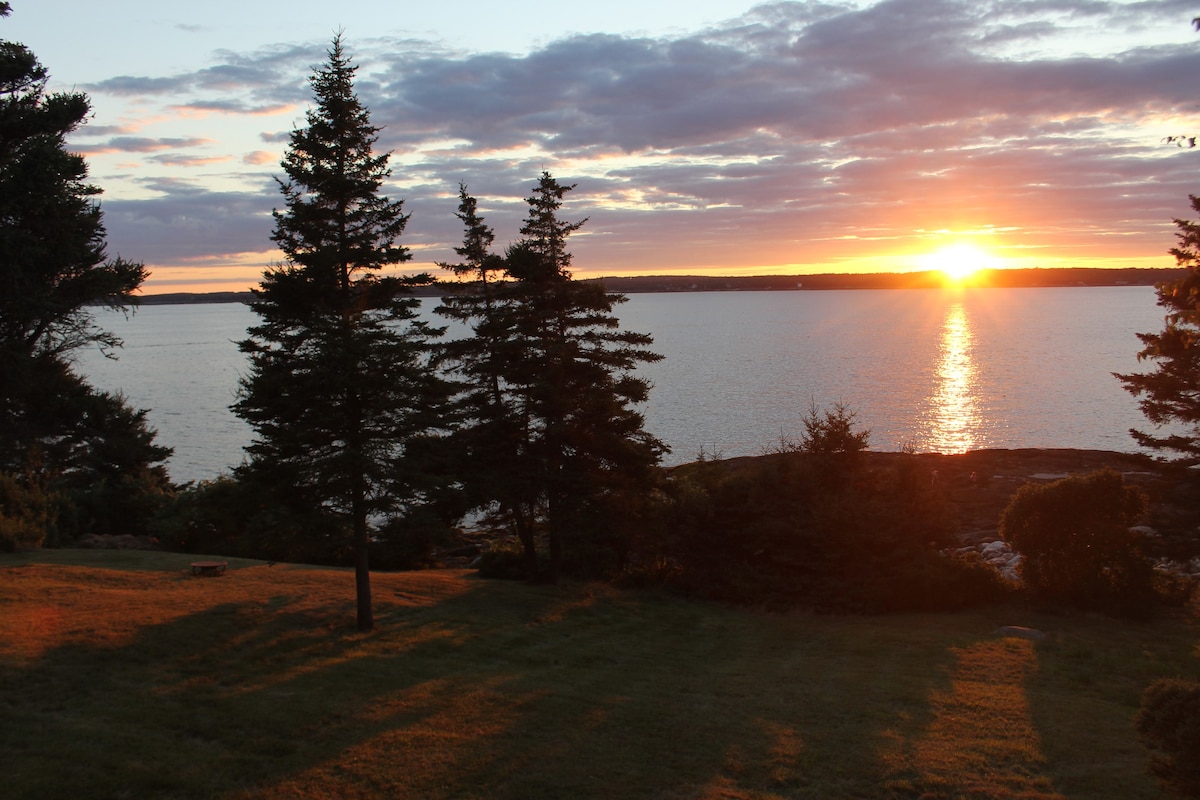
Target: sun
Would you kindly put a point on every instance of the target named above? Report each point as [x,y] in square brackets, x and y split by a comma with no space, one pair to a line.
[957,262]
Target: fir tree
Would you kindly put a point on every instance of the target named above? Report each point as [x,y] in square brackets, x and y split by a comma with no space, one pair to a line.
[489,445]
[551,386]
[1170,395]
[340,390]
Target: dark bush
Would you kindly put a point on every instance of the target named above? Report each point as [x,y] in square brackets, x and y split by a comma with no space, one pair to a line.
[408,542]
[783,530]
[237,517]
[1169,724]
[233,517]
[1076,545]
[27,512]
[505,560]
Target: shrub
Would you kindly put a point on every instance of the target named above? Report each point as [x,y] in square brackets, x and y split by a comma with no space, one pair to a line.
[505,560]
[26,513]
[403,543]
[1076,546]
[831,441]
[832,432]
[777,531]
[235,517]
[1169,724]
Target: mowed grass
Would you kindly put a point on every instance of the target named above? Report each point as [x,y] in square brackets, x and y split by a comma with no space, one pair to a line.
[123,676]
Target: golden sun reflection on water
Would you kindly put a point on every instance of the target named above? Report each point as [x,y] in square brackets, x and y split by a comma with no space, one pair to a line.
[954,416]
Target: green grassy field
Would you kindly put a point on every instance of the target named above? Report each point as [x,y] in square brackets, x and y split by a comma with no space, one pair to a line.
[123,676]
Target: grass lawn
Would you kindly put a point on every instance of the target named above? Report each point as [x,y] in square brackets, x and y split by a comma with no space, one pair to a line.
[123,676]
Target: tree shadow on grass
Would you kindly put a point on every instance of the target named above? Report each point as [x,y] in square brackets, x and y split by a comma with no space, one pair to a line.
[486,690]
[599,694]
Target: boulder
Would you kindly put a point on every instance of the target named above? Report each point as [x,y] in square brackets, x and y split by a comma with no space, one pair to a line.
[1019,632]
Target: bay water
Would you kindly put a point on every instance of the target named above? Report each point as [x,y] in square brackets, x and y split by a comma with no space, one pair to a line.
[933,370]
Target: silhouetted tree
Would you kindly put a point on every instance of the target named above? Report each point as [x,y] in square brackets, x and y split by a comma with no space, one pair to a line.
[550,385]
[340,389]
[487,449]
[1170,395]
[54,272]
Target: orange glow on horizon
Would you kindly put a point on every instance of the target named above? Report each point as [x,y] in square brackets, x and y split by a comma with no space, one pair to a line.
[959,262]
[242,272]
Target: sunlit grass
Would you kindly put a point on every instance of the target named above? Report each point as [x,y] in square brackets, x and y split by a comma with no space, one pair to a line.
[121,675]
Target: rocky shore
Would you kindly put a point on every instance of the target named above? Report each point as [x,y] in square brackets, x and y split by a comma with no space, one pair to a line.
[980,484]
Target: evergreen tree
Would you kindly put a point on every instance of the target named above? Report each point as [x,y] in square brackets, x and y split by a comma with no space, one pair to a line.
[491,443]
[55,429]
[551,385]
[340,390]
[1170,395]
[52,236]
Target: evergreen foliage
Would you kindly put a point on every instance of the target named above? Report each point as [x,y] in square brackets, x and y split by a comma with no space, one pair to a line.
[1170,395]
[782,530]
[340,390]
[832,433]
[26,513]
[57,432]
[551,439]
[831,440]
[51,227]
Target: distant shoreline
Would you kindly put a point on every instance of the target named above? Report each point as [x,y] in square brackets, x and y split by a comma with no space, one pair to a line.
[996,279]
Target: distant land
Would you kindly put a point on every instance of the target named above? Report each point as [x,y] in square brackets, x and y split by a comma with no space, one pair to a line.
[990,278]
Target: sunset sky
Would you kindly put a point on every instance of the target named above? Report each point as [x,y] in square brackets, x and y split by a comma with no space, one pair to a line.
[705,136]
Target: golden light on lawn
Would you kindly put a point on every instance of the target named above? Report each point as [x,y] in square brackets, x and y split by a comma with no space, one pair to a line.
[958,262]
[981,735]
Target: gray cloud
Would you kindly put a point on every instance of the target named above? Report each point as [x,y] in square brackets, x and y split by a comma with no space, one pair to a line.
[138,144]
[186,221]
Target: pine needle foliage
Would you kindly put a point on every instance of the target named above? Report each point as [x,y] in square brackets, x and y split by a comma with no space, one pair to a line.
[1169,396]
[92,451]
[340,391]
[551,437]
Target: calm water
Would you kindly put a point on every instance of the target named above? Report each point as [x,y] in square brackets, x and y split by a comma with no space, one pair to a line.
[938,370]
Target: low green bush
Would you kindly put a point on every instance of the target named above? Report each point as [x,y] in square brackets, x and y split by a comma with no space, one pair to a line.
[1076,544]
[504,560]
[236,517]
[26,514]
[1168,723]
[780,531]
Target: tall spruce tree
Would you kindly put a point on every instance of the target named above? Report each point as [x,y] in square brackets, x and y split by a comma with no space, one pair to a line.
[1170,395]
[55,429]
[552,425]
[340,390]
[490,446]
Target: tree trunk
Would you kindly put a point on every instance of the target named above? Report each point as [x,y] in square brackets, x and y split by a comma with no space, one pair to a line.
[362,572]
[362,564]
[554,523]
[524,527]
